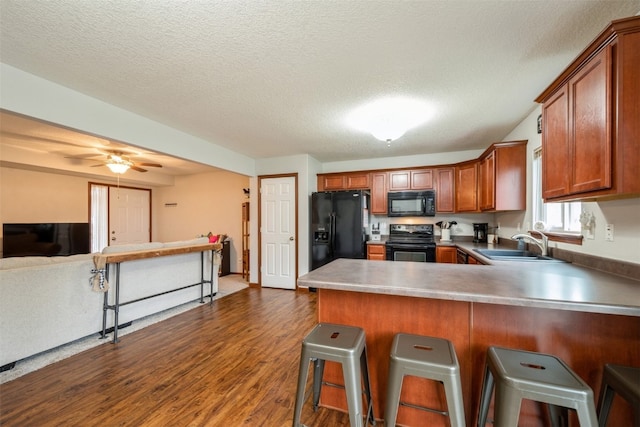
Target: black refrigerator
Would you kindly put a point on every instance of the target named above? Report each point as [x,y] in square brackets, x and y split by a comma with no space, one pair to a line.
[338,226]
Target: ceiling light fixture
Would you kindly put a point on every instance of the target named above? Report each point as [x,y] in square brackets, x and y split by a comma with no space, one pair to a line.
[118,165]
[387,119]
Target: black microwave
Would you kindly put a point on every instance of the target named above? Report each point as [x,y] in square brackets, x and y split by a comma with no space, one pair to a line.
[411,203]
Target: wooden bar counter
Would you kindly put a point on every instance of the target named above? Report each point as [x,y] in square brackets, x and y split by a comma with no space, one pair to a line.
[583,316]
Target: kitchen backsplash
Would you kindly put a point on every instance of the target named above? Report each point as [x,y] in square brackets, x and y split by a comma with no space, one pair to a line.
[464,226]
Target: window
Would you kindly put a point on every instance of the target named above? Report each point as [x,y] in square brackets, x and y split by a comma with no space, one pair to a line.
[99,217]
[558,216]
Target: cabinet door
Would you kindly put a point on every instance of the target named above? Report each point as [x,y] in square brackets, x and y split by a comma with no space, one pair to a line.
[357,181]
[590,135]
[376,252]
[417,179]
[379,193]
[488,182]
[422,179]
[331,182]
[467,187]
[399,180]
[555,145]
[446,254]
[445,190]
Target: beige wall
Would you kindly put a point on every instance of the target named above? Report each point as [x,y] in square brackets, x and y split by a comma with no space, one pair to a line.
[28,196]
[208,202]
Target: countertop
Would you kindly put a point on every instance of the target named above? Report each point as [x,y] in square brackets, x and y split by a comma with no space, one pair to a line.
[562,286]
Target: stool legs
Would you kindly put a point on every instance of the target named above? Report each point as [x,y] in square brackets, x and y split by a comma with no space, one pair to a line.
[453,393]
[485,397]
[352,385]
[394,387]
[367,386]
[318,371]
[303,372]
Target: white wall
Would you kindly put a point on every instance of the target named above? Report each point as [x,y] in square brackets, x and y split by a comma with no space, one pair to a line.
[401,161]
[307,168]
[623,214]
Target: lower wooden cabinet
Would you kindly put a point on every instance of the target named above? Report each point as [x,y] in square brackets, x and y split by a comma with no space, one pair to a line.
[472,260]
[376,252]
[446,254]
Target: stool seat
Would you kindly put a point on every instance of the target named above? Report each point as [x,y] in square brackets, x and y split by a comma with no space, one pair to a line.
[345,345]
[624,380]
[520,374]
[424,357]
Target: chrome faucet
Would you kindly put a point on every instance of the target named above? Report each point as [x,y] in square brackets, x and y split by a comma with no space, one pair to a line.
[543,243]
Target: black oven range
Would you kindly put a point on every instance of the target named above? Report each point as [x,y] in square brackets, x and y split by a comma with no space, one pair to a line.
[411,242]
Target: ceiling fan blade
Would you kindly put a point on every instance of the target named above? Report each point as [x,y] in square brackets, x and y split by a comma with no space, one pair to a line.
[98,165]
[83,156]
[154,165]
[136,168]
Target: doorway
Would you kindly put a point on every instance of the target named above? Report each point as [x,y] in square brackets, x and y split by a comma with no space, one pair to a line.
[119,215]
[278,225]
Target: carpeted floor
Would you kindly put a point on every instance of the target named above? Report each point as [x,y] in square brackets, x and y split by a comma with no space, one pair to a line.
[226,285]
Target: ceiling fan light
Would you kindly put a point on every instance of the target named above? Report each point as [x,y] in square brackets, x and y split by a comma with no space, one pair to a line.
[118,168]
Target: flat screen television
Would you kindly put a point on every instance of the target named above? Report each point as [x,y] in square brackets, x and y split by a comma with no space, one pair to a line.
[45,239]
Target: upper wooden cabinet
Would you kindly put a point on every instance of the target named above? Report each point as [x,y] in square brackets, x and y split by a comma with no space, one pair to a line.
[467,186]
[379,193]
[590,126]
[344,181]
[503,177]
[416,179]
[445,189]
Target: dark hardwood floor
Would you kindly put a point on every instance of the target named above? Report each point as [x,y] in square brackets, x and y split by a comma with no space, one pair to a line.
[233,363]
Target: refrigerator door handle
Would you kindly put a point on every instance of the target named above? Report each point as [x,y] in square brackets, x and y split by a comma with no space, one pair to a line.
[332,233]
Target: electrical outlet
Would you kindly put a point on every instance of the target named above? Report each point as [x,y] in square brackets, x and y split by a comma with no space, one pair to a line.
[608,233]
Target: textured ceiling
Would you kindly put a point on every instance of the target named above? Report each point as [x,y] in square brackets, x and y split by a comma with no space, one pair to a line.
[278,78]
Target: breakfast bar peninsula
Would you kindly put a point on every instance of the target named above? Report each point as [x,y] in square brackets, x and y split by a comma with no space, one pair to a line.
[586,317]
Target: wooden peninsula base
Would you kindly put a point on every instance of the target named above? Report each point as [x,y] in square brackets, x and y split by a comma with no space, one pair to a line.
[585,341]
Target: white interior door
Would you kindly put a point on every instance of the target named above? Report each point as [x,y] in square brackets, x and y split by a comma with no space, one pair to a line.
[277,233]
[129,216]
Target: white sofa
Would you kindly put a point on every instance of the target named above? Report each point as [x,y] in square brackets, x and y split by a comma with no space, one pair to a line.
[46,302]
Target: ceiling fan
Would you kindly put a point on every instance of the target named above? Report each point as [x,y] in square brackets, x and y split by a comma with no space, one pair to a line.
[118,162]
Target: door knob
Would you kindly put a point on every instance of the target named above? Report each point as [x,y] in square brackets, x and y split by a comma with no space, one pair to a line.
[291,238]
[113,239]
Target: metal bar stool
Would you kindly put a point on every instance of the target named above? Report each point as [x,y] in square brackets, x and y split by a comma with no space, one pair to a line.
[345,345]
[624,380]
[541,377]
[425,357]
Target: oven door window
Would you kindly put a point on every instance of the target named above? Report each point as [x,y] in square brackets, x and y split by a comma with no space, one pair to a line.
[410,256]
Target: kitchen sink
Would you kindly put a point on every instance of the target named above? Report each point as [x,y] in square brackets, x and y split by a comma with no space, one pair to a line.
[514,255]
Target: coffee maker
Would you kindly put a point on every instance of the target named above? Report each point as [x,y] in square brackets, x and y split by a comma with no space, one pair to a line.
[480,232]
